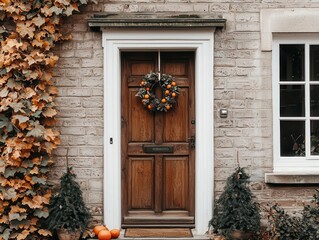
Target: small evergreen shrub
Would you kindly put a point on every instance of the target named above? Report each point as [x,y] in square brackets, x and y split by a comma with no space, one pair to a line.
[236,209]
[67,209]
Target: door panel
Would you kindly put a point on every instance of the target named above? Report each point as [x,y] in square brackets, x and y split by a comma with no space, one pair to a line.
[141,122]
[141,183]
[176,183]
[157,188]
[176,122]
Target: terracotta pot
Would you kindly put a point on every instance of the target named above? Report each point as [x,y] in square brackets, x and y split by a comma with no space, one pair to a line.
[240,235]
[64,234]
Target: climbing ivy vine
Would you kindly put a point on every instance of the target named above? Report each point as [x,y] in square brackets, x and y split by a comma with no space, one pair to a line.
[30,29]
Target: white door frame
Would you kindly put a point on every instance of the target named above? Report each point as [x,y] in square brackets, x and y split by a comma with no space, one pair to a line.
[202,42]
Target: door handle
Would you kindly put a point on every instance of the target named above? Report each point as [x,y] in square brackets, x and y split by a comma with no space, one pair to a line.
[192,141]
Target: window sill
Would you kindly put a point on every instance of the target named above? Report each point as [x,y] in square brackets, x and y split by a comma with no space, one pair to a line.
[292,178]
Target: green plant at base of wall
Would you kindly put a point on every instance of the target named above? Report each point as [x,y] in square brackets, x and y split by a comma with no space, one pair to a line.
[67,209]
[285,226]
[235,209]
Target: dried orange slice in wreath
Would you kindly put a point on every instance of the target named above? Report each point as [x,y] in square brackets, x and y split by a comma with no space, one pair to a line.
[169,90]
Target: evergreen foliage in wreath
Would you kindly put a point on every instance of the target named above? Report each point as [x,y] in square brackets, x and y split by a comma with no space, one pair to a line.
[147,91]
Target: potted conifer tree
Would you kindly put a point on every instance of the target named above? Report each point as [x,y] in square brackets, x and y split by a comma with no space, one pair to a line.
[236,214]
[68,215]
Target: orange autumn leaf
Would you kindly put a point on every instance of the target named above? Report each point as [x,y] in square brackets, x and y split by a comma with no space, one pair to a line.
[35,170]
[36,161]
[49,122]
[29,92]
[11,45]
[49,147]
[17,209]
[4,219]
[52,60]
[34,202]
[25,28]
[38,21]
[50,135]
[45,232]
[49,112]
[16,155]
[70,9]
[36,43]
[46,76]
[23,235]
[53,90]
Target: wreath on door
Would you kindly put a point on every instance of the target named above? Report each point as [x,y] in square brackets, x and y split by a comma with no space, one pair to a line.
[147,89]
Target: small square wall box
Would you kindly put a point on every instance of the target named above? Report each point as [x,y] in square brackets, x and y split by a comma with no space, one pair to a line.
[223,113]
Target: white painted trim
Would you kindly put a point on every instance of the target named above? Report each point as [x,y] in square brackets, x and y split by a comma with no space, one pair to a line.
[202,42]
[308,164]
[289,20]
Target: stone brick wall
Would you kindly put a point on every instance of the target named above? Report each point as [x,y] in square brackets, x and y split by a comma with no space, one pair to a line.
[242,85]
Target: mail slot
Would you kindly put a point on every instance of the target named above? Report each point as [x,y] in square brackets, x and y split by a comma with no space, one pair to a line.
[158,149]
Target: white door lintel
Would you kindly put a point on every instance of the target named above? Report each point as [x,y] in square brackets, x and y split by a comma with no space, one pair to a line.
[200,41]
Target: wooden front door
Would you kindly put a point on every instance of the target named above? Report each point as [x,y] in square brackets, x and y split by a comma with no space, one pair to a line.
[158,189]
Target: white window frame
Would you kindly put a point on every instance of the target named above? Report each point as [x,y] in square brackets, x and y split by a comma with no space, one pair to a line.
[307,164]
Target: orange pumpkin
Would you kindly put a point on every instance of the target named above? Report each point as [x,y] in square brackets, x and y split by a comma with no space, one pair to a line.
[104,235]
[115,233]
[97,229]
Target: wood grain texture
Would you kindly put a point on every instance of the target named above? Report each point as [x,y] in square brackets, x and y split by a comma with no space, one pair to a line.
[176,183]
[157,188]
[141,193]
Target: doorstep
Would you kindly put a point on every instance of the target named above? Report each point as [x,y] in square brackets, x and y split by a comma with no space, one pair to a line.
[190,238]
[198,237]
[195,237]
[182,238]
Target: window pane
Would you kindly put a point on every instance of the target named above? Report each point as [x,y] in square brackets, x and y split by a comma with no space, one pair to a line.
[292,65]
[292,100]
[314,100]
[292,136]
[314,62]
[314,137]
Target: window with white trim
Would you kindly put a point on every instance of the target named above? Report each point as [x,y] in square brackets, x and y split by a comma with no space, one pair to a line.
[296,103]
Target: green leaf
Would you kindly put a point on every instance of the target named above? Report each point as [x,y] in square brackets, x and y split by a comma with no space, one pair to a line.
[44,170]
[37,4]
[30,193]
[9,172]
[17,107]
[37,114]
[5,123]
[6,234]
[16,224]
[28,163]
[10,194]
[4,92]
[2,166]
[39,180]
[41,214]
[12,83]
[17,216]
[20,118]
[33,13]
[3,71]
[38,131]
